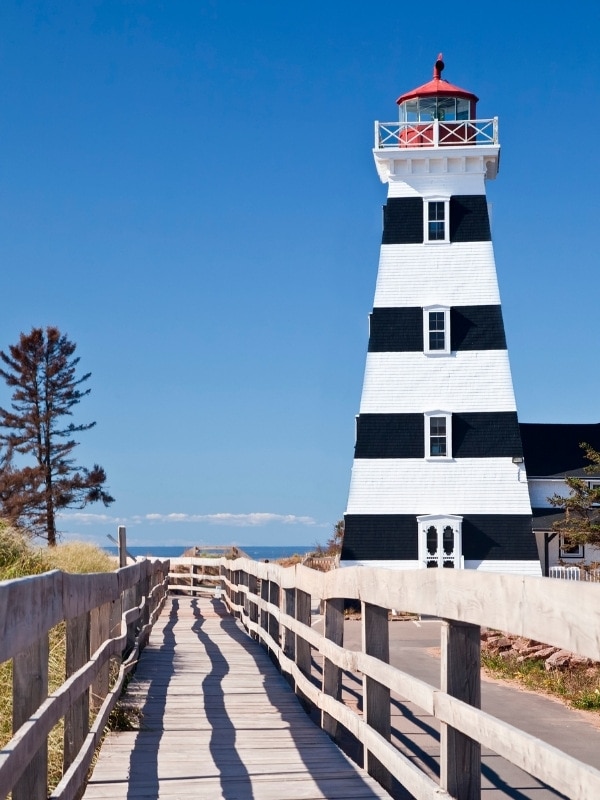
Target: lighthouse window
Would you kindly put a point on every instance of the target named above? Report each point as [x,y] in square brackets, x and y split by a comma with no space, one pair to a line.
[436,330]
[436,228]
[426,109]
[438,437]
[437,335]
[436,221]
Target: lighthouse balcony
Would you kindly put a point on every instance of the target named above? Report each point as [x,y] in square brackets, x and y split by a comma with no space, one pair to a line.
[436,133]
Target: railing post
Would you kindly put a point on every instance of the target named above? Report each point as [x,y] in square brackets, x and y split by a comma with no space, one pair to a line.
[128,600]
[245,600]
[99,633]
[264,595]
[225,580]
[460,771]
[273,622]
[146,587]
[192,580]
[289,638]
[238,580]
[77,718]
[332,675]
[30,689]
[252,606]
[240,594]
[303,655]
[122,537]
[376,642]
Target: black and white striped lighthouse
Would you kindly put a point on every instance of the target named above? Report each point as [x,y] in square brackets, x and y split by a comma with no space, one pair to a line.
[438,478]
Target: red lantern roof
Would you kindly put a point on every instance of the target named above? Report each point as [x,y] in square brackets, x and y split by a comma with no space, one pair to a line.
[437,87]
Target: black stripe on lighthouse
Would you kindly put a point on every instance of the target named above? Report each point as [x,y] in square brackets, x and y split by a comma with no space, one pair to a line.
[394,537]
[400,330]
[493,434]
[403,219]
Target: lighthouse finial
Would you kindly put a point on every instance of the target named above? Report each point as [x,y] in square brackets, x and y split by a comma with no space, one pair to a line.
[438,67]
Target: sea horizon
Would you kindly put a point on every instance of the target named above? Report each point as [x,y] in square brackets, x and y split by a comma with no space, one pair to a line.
[257,552]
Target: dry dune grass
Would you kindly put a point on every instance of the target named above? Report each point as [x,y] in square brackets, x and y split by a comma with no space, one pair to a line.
[18,558]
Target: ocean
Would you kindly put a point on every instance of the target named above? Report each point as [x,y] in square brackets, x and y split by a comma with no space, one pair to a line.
[257,553]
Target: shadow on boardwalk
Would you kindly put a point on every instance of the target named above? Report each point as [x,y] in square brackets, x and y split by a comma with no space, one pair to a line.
[219,721]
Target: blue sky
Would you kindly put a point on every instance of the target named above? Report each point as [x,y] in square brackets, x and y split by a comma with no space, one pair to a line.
[187,190]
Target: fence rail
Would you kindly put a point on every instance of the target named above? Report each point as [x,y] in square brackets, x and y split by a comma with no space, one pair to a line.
[108,616]
[274,604]
[188,576]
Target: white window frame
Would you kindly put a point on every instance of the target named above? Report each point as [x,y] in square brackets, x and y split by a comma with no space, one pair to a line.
[594,484]
[446,202]
[563,546]
[427,310]
[440,521]
[429,415]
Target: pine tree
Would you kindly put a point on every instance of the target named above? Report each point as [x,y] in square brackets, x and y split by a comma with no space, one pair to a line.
[38,475]
[581,523]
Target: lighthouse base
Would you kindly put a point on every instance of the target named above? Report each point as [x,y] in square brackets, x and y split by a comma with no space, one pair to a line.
[531,568]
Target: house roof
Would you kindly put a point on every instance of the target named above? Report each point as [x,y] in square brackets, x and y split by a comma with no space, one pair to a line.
[553,450]
[544,518]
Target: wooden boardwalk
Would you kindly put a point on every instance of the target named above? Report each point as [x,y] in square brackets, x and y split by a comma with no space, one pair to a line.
[218,721]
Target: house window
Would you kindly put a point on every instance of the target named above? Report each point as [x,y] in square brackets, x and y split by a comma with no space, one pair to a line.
[438,435]
[595,486]
[569,549]
[436,220]
[436,330]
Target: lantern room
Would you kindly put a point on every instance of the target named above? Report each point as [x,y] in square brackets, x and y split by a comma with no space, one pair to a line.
[437,100]
[437,114]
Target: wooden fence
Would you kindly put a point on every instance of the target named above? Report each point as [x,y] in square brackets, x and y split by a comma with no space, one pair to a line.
[274,605]
[108,616]
[195,576]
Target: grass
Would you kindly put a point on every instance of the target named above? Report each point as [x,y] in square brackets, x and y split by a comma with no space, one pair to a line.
[19,558]
[578,686]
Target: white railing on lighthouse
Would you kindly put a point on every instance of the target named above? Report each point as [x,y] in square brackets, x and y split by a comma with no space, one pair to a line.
[436,133]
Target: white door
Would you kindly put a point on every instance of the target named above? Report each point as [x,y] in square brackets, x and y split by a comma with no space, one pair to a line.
[440,542]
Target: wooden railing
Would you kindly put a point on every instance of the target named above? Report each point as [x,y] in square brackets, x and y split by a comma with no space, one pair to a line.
[108,617]
[274,605]
[195,576]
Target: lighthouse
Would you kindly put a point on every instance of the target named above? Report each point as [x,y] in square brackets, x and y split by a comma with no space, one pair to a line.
[438,478]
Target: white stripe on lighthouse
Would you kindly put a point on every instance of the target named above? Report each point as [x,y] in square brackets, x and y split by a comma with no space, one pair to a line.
[415,486]
[413,382]
[458,274]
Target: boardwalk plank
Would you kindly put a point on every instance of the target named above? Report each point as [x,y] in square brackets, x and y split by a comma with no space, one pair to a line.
[217,720]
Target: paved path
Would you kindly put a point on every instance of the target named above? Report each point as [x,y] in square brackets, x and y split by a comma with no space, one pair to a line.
[414,648]
[219,721]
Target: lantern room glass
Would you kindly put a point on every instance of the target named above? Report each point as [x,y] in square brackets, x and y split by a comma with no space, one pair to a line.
[426,109]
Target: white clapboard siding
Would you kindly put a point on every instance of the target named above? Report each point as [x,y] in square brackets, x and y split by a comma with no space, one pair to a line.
[541,489]
[532,568]
[515,567]
[457,274]
[402,565]
[466,381]
[463,486]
